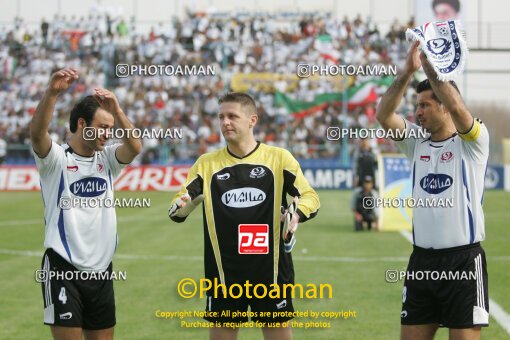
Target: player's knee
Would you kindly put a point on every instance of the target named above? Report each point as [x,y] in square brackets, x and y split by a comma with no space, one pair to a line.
[280,333]
[418,332]
[66,333]
[223,333]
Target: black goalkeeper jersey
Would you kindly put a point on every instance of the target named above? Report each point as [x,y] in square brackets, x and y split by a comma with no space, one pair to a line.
[241,208]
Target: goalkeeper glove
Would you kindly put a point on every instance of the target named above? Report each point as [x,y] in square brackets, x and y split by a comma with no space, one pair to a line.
[184,205]
[290,224]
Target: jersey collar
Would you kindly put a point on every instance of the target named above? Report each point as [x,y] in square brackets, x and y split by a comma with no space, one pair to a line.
[444,140]
[77,155]
[247,155]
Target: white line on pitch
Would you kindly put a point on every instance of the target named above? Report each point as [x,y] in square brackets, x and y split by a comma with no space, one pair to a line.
[304,258]
[201,258]
[496,311]
[501,316]
[407,234]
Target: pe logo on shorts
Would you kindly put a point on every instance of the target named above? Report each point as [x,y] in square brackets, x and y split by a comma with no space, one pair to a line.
[253,239]
[66,316]
[282,304]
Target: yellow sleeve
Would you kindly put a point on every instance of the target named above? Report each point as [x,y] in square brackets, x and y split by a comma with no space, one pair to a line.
[295,184]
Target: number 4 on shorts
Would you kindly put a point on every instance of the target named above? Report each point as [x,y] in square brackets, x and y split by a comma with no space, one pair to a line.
[62,296]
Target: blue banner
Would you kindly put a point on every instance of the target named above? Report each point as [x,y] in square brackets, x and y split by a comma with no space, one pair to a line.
[329,178]
[395,169]
[495,177]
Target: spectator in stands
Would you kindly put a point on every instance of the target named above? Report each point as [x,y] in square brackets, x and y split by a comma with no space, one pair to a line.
[235,44]
[44,30]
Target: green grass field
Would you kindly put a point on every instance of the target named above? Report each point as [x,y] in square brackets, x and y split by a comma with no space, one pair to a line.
[167,252]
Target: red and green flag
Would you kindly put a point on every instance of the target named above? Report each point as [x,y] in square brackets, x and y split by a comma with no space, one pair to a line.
[357,95]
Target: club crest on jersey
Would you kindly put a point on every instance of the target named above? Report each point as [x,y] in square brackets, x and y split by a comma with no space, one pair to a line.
[73,168]
[425,158]
[243,197]
[89,187]
[223,177]
[446,157]
[100,167]
[257,172]
[436,183]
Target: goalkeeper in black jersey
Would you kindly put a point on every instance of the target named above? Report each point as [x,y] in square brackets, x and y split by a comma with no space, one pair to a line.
[242,187]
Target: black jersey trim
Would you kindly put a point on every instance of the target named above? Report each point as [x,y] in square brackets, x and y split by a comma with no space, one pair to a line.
[250,153]
[443,140]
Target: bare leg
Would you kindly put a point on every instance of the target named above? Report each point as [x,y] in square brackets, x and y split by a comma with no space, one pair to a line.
[418,332]
[66,333]
[101,334]
[280,333]
[466,334]
[223,333]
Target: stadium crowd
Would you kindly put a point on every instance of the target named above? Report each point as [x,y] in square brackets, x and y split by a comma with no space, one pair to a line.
[233,44]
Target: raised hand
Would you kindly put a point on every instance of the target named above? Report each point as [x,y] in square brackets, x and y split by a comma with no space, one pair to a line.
[61,80]
[107,100]
[413,62]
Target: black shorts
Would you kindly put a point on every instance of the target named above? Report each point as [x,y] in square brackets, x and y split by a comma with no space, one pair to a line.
[456,300]
[89,304]
[232,310]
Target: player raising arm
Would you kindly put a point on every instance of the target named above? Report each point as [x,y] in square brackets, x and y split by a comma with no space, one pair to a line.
[445,94]
[447,165]
[79,236]
[60,82]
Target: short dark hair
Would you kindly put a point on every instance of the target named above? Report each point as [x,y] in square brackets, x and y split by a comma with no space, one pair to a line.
[425,86]
[246,101]
[454,3]
[86,108]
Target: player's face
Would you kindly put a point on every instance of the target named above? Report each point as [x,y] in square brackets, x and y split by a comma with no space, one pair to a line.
[445,12]
[102,121]
[235,124]
[429,113]
[365,145]
[368,186]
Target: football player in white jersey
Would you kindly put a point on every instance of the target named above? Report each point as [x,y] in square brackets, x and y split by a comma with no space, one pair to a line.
[449,163]
[79,237]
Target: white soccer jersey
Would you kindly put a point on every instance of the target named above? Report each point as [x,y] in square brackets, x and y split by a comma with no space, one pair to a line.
[452,170]
[83,235]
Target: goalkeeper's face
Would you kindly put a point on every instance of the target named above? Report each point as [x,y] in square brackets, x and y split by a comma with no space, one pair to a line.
[236,125]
